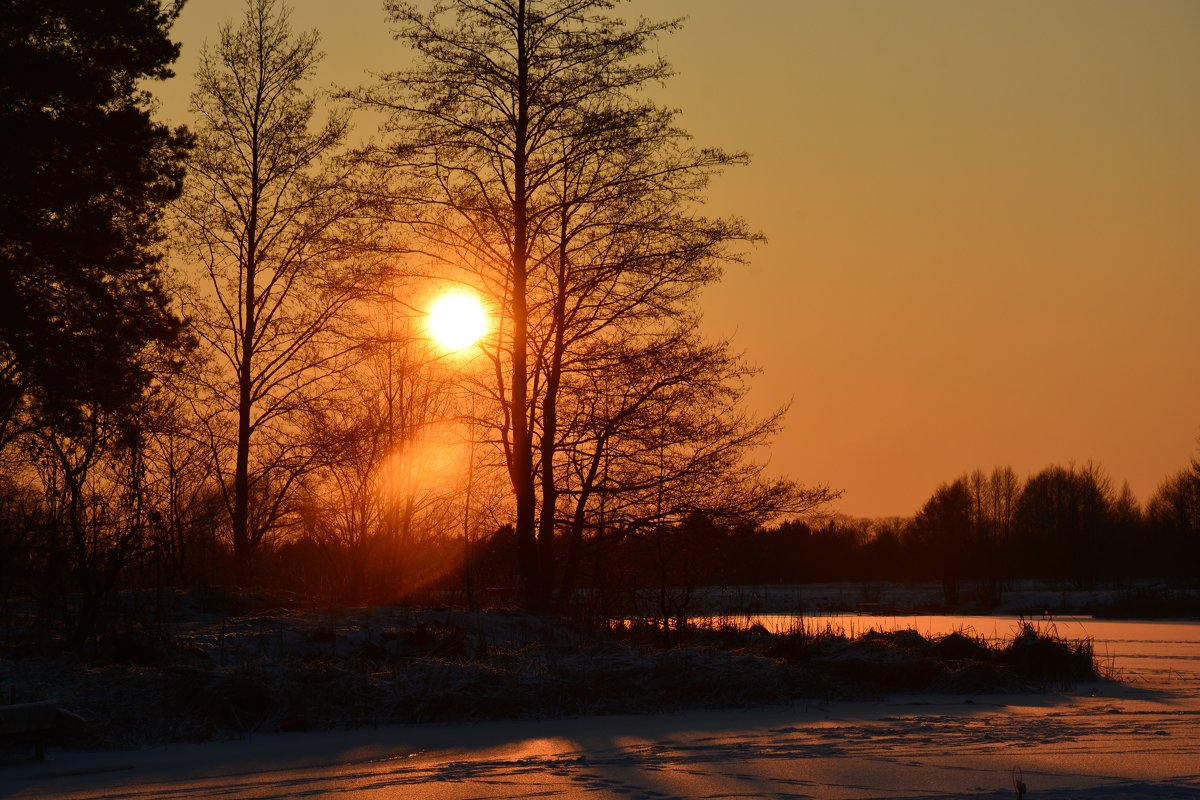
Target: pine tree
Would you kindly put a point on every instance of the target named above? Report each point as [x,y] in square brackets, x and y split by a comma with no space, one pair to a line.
[85,174]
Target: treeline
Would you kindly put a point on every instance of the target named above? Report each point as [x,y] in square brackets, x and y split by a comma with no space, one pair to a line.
[1065,524]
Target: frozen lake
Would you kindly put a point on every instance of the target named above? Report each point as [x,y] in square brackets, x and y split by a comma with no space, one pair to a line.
[1138,739]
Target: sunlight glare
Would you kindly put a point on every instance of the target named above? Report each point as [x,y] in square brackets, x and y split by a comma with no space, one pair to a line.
[457,320]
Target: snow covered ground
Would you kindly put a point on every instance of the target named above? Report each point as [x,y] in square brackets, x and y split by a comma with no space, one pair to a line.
[1136,739]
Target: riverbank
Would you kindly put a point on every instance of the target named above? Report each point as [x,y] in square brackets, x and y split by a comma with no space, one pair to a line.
[208,675]
[1100,740]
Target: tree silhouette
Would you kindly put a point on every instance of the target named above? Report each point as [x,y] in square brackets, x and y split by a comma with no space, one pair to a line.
[1064,519]
[85,172]
[944,526]
[1173,517]
[657,438]
[270,214]
[532,166]
[87,328]
[382,484]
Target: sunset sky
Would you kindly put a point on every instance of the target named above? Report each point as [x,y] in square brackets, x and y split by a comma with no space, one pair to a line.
[983,223]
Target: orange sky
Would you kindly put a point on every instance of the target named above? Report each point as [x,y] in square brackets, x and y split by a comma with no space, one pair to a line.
[983,223]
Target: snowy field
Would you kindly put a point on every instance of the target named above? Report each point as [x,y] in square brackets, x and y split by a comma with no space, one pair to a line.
[1139,738]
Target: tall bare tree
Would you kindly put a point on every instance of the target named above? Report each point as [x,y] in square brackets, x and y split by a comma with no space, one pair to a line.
[534,164]
[271,215]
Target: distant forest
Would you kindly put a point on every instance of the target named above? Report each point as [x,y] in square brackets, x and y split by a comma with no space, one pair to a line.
[215,369]
[975,535]
[1064,524]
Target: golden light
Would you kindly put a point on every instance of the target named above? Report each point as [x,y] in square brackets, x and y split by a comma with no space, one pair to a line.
[457,319]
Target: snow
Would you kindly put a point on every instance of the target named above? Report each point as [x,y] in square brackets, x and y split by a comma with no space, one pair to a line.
[1137,739]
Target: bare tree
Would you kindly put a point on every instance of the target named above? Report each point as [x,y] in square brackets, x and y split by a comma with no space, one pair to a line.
[993,498]
[533,165]
[181,489]
[657,436]
[1173,517]
[95,518]
[943,526]
[382,479]
[270,213]
[1064,521]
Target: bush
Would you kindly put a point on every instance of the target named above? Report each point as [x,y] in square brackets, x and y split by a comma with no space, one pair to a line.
[1038,654]
[958,649]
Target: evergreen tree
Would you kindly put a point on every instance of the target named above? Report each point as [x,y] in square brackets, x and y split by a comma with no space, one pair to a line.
[85,173]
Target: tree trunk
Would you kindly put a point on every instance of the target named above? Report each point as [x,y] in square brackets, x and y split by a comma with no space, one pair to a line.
[521,469]
[243,546]
[575,535]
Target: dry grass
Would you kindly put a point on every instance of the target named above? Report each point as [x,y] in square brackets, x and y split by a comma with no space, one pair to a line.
[204,673]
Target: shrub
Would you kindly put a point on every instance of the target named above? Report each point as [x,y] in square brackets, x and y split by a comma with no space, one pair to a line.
[1038,654]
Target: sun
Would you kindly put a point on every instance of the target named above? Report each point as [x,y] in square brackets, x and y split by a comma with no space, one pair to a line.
[457,319]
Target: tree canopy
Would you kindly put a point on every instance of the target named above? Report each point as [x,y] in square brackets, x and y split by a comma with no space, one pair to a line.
[270,217]
[85,172]
[530,164]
